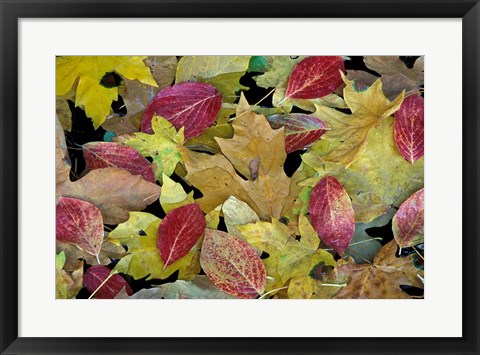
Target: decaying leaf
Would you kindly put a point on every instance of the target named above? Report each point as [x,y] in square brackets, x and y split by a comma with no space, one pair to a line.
[191,105]
[383,278]
[113,191]
[408,222]
[409,128]
[106,154]
[332,213]
[79,222]
[232,265]
[94,96]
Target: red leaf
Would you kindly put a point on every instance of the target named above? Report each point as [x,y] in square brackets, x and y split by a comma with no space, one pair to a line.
[315,77]
[191,105]
[300,130]
[79,222]
[232,265]
[332,214]
[407,224]
[409,128]
[97,274]
[104,154]
[179,231]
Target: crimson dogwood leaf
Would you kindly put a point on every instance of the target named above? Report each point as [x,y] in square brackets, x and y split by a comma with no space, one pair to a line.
[409,128]
[105,154]
[179,231]
[191,105]
[79,222]
[315,77]
[300,130]
[97,274]
[232,265]
[332,214]
[407,224]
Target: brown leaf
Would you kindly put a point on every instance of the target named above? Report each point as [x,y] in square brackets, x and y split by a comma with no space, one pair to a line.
[114,191]
[62,159]
[383,278]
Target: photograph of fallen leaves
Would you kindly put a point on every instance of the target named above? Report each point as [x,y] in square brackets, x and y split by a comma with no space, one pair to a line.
[239,177]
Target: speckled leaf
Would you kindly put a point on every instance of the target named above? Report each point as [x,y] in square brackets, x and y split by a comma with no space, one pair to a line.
[315,77]
[300,130]
[332,213]
[113,191]
[383,278]
[409,128]
[163,146]
[232,265]
[181,228]
[140,235]
[408,222]
[103,155]
[190,105]
[96,275]
[79,222]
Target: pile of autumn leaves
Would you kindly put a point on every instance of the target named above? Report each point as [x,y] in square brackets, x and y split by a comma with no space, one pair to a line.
[283,232]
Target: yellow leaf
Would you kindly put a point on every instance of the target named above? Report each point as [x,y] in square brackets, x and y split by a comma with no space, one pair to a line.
[67,284]
[257,152]
[95,98]
[173,195]
[350,132]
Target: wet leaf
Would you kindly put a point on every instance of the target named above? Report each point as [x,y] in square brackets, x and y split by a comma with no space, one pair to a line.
[409,128]
[179,231]
[79,222]
[191,105]
[90,93]
[113,191]
[232,265]
[300,130]
[96,275]
[383,278]
[315,77]
[103,155]
[408,222]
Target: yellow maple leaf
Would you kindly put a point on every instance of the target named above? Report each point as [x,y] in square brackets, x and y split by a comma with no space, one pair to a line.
[91,94]
[349,132]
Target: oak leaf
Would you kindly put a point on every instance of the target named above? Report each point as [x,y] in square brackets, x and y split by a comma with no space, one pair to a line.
[113,191]
[383,278]
[91,94]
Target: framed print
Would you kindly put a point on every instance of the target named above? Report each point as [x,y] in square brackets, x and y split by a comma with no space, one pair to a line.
[178,226]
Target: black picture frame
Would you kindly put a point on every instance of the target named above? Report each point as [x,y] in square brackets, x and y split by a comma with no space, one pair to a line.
[12,10]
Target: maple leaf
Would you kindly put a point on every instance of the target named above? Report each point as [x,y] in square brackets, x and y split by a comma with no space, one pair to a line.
[67,284]
[288,258]
[163,146]
[409,128]
[113,191]
[232,265]
[223,72]
[140,234]
[137,95]
[254,142]
[91,94]
[383,278]
[408,224]
[350,132]
[396,76]
[379,179]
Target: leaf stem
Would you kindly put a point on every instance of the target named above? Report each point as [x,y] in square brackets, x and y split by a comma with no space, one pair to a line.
[103,283]
[418,253]
[251,106]
[271,291]
[334,285]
